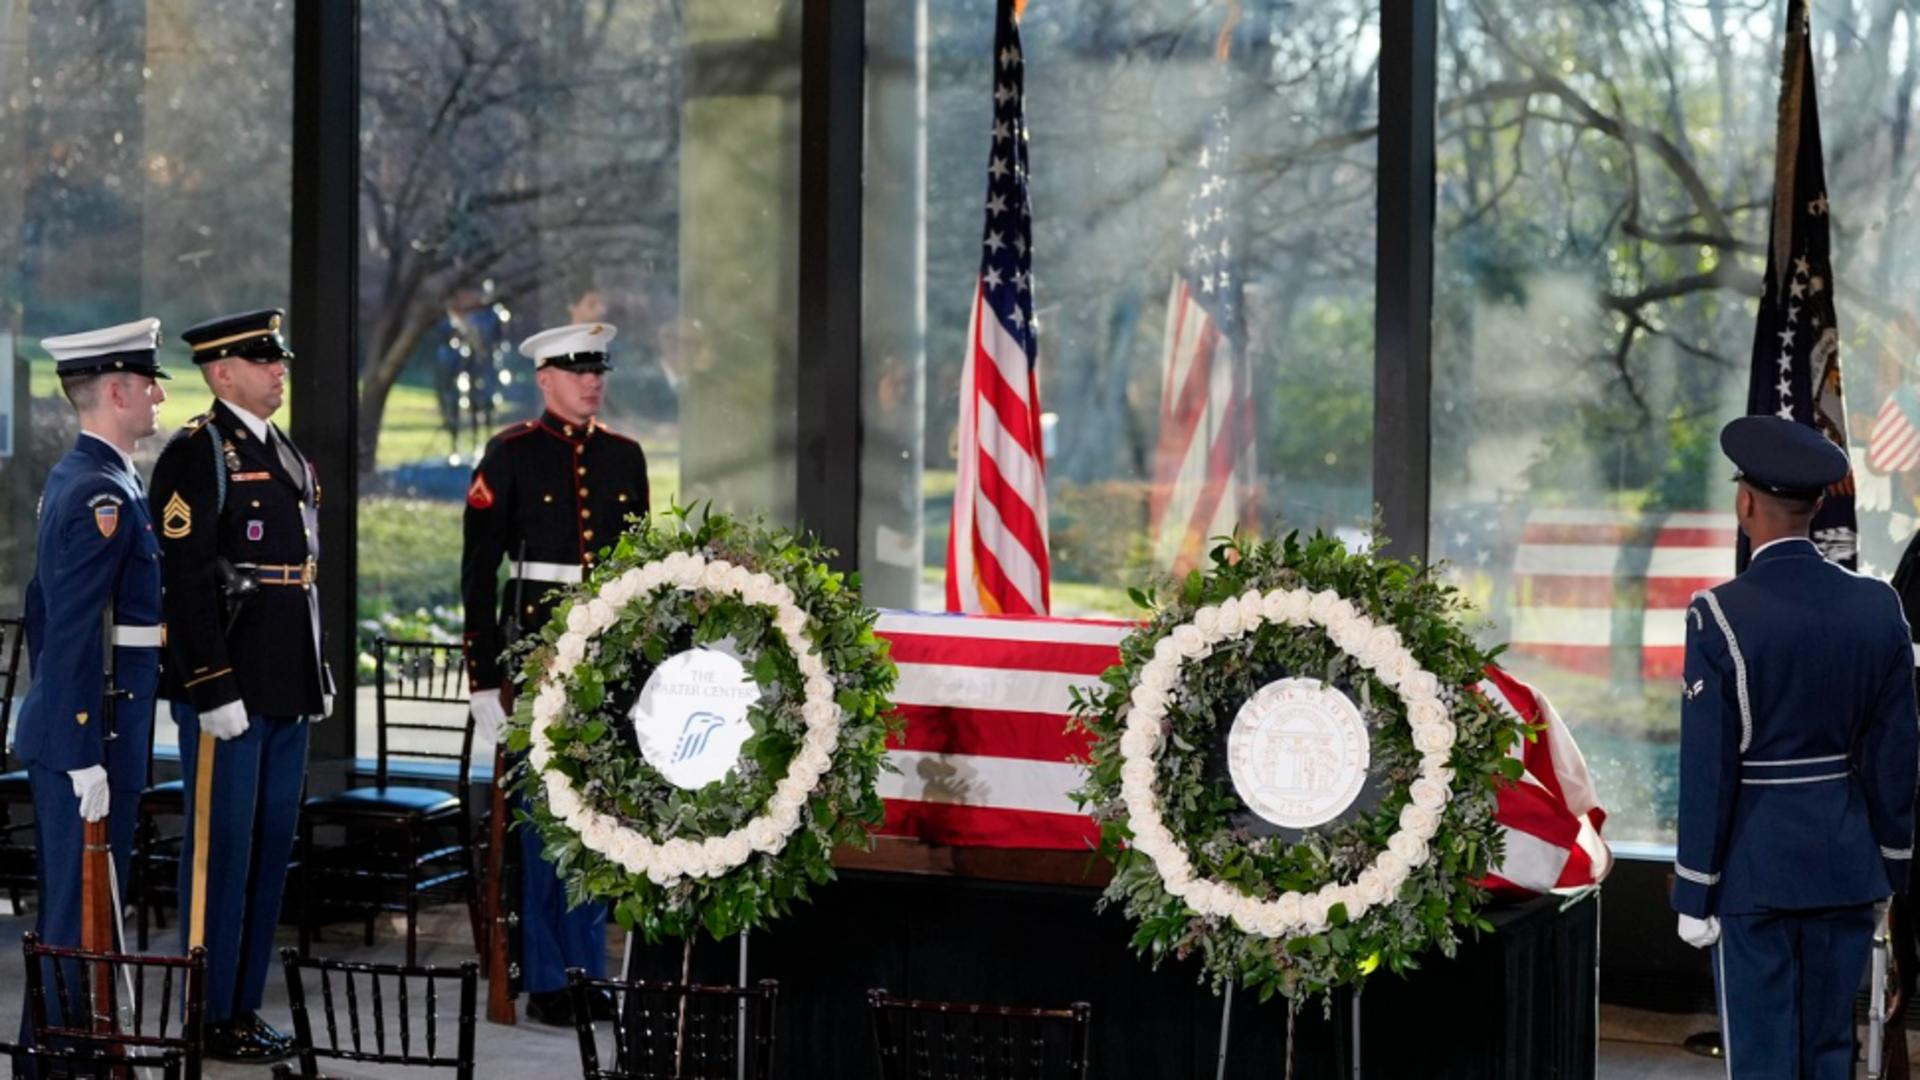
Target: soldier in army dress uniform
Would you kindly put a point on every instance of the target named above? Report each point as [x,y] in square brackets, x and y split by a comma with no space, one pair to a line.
[1797,767]
[547,496]
[95,586]
[237,509]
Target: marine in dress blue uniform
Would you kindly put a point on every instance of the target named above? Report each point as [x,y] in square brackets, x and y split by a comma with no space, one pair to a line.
[1797,768]
[96,579]
[547,495]
[235,500]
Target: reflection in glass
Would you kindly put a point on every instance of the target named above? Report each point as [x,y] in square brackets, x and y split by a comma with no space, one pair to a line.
[1604,173]
[1122,103]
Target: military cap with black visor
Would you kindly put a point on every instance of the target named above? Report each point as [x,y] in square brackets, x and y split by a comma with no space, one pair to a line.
[1782,458]
[236,505]
[133,348]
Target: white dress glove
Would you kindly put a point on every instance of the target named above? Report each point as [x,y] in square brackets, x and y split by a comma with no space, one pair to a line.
[226,722]
[90,787]
[1700,933]
[326,706]
[489,716]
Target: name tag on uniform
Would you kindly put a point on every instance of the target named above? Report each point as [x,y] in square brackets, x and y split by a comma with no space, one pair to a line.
[241,478]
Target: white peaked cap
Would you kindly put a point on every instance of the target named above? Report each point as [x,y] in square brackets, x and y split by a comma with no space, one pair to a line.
[568,340]
[127,337]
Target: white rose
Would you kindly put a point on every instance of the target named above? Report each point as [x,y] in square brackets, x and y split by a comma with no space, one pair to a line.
[1418,820]
[822,740]
[1189,641]
[792,624]
[739,580]
[1252,605]
[1434,738]
[1343,617]
[734,848]
[569,652]
[1423,713]
[661,874]
[1166,652]
[1245,913]
[1313,912]
[1390,863]
[541,751]
[561,798]
[1392,877]
[1160,677]
[1151,838]
[714,577]
[785,817]
[1409,847]
[760,591]
[814,758]
[1288,907]
[1428,794]
[619,590]
[764,835]
[578,621]
[1371,887]
[597,833]
[803,773]
[1420,686]
[821,713]
[1268,923]
[1137,741]
[819,688]
[1439,774]
[549,704]
[788,797]
[602,612]
[1274,605]
[1137,772]
[652,576]
[1349,635]
[677,855]
[1207,898]
[1177,880]
[1395,667]
[1207,621]
[1139,803]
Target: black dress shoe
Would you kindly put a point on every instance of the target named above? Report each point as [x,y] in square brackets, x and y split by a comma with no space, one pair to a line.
[251,1023]
[551,1007]
[231,1040]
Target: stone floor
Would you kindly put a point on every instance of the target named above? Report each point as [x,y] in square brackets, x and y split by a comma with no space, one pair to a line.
[1635,1045]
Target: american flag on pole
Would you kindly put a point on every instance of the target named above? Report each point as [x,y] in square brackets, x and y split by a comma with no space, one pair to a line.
[987,761]
[997,550]
[1796,341]
[1204,466]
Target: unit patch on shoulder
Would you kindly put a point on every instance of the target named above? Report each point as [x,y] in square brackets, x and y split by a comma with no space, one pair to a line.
[176,518]
[479,495]
[106,512]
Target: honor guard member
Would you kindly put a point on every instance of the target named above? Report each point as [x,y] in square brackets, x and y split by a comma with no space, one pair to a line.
[95,586]
[547,495]
[1797,767]
[236,506]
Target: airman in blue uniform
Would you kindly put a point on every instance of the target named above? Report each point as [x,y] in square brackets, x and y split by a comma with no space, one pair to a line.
[1797,768]
[96,585]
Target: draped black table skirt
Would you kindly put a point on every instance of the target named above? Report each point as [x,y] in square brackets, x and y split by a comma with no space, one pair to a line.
[1518,1003]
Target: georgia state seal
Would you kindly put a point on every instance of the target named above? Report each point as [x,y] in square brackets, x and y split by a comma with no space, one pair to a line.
[1298,753]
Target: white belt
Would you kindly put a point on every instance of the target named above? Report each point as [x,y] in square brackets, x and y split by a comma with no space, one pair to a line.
[139,637]
[556,573]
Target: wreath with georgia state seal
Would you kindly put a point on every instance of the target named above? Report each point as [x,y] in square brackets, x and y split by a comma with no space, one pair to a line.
[1203,714]
[621,777]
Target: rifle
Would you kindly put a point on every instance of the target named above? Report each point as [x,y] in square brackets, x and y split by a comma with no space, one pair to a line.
[500,969]
[99,900]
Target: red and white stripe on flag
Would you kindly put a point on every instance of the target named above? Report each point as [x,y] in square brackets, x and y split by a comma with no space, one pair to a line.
[1203,464]
[986,760]
[1586,579]
[1551,817]
[997,551]
[1893,446]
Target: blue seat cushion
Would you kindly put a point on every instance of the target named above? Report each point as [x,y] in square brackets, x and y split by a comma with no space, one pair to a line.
[384,800]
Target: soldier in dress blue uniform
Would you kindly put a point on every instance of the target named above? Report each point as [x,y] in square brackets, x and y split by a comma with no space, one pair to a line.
[237,507]
[97,579]
[547,496]
[1797,767]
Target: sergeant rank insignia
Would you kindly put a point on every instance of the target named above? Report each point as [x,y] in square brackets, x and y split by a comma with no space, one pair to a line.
[479,495]
[176,518]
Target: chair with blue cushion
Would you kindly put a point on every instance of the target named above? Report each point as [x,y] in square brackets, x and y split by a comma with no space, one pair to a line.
[406,842]
[17,871]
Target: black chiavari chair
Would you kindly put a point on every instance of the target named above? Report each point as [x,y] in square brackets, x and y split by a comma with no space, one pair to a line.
[384,1014]
[945,1040]
[674,1031]
[115,1003]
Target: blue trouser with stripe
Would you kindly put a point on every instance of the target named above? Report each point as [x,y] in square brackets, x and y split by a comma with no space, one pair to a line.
[58,834]
[552,937]
[241,818]
[1784,982]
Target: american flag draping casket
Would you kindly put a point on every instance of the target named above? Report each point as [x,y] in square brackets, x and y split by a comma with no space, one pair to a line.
[986,760]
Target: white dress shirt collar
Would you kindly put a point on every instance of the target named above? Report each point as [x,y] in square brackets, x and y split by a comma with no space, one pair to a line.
[1777,543]
[255,424]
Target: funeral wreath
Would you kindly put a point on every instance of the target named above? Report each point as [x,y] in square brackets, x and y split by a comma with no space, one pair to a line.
[705,718]
[1292,770]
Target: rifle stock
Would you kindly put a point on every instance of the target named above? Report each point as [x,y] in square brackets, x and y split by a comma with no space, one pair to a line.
[499,920]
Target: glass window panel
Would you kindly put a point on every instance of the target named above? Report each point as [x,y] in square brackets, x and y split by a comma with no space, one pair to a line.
[1604,174]
[144,170]
[1119,100]
[530,163]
